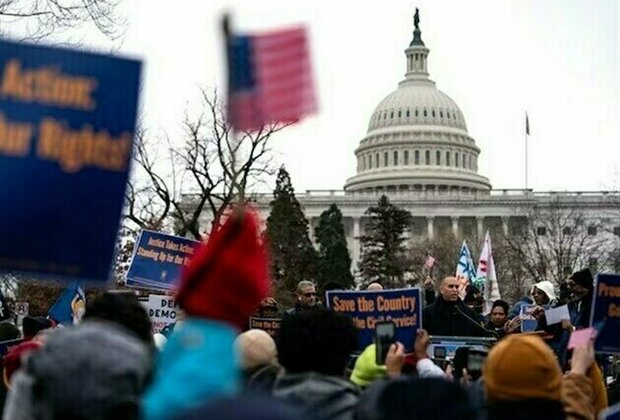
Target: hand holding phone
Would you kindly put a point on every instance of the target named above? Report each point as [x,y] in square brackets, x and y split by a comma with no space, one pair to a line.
[384,338]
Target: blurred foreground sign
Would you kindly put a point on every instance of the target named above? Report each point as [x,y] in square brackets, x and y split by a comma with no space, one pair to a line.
[367,308]
[67,121]
[158,260]
[606,313]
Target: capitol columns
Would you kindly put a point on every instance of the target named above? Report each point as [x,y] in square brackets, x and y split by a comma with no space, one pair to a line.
[430,227]
[505,225]
[480,225]
[355,255]
[455,226]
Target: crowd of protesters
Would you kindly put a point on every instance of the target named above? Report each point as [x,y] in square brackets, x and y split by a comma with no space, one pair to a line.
[211,367]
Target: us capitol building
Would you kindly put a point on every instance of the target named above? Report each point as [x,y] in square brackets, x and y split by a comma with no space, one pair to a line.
[417,151]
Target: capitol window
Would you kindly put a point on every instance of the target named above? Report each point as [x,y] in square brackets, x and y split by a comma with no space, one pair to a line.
[406,157]
[464,166]
[438,157]
[391,114]
[617,230]
[399,113]
[385,159]
[592,230]
[377,160]
[395,158]
[369,162]
[428,157]
[433,113]
[471,162]
[541,231]
[456,159]
[416,157]
[416,112]
[408,113]
[425,112]
[448,114]
[440,113]
[447,158]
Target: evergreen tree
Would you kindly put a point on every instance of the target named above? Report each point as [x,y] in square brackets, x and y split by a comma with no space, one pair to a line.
[292,255]
[334,258]
[384,255]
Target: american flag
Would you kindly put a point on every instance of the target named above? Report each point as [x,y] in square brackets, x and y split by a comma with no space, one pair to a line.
[270,79]
[430,261]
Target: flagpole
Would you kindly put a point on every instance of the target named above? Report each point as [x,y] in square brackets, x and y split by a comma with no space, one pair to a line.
[526,135]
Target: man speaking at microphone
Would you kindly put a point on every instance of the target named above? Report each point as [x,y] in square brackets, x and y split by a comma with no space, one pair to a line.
[448,315]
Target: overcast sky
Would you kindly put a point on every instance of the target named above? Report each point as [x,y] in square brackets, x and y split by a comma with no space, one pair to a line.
[557,59]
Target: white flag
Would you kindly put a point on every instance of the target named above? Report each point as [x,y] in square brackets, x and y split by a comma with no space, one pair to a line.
[486,274]
[465,270]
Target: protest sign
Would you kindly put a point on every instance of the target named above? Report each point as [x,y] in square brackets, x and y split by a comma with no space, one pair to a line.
[67,122]
[606,313]
[367,308]
[528,323]
[163,311]
[270,325]
[557,315]
[158,260]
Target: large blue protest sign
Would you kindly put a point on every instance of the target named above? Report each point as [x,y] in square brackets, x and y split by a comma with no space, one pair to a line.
[158,260]
[67,122]
[606,313]
[367,308]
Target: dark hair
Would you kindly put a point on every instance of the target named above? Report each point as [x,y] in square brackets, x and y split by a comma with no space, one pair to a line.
[124,309]
[316,340]
[502,304]
[31,325]
[524,409]
[8,331]
[420,399]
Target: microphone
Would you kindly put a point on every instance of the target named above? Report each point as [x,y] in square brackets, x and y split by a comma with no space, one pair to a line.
[473,321]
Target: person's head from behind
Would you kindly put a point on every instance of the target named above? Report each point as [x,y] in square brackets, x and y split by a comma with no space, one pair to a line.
[256,349]
[306,294]
[33,325]
[449,289]
[420,399]
[124,309]
[8,331]
[521,377]
[499,313]
[374,287]
[96,370]
[316,341]
[268,308]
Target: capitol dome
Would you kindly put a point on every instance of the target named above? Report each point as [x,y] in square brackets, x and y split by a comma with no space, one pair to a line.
[417,138]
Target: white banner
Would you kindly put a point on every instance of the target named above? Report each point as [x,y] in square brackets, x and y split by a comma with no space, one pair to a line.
[163,311]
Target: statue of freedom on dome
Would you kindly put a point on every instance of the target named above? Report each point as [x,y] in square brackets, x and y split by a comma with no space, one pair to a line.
[416,18]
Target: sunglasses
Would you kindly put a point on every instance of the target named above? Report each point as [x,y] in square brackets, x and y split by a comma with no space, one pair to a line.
[309,294]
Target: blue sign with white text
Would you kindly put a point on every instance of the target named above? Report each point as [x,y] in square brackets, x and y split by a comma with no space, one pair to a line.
[67,122]
[367,308]
[606,313]
[158,260]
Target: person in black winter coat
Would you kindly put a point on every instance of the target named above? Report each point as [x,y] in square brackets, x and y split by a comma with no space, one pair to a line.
[448,315]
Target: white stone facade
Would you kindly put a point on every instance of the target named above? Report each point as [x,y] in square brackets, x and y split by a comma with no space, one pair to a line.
[417,151]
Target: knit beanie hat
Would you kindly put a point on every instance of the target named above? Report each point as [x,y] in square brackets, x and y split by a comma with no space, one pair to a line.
[547,287]
[366,369]
[256,349]
[522,367]
[228,276]
[584,278]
